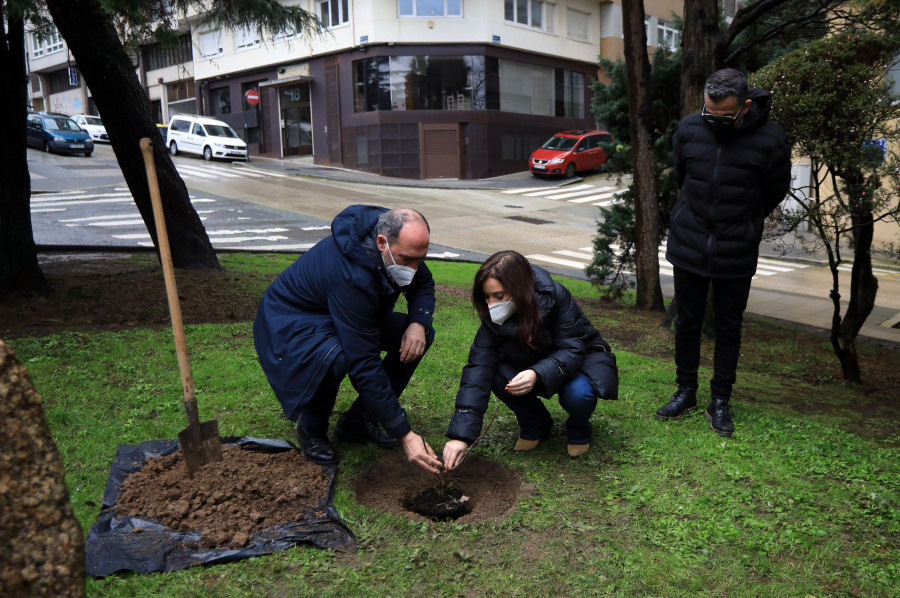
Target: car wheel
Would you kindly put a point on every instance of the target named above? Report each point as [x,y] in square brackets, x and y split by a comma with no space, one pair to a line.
[173,148]
[47,147]
[207,153]
[570,170]
[87,154]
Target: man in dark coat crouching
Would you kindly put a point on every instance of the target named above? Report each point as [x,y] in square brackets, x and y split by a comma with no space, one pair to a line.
[330,314]
[733,166]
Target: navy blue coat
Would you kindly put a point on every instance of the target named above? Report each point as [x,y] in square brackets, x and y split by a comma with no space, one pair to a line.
[729,184]
[333,298]
[571,345]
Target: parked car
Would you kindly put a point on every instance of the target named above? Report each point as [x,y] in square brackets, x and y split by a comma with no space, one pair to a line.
[569,152]
[205,136]
[93,125]
[57,133]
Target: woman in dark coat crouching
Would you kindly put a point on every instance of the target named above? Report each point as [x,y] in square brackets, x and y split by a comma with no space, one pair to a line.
[534,342]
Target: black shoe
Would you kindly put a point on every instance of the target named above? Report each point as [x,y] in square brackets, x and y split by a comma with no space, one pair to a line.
[719,417]
[684,400]
[352,428]
[316,448]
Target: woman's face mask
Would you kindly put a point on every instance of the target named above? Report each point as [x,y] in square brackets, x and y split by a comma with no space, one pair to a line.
[501,311]
[401,275]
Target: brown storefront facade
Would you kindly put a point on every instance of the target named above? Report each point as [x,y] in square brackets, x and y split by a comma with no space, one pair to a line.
[413,111]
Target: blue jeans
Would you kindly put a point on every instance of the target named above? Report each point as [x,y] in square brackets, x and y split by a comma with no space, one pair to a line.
[576,397]
[314,415]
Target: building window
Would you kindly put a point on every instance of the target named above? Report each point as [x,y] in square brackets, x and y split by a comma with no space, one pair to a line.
[729,8]
[220,101]
[419,83]
[334,12]
[430,8]
[570,94]
[210,44]
[667,36]
[531,13]
[578,25]
[246,37]
[155,56]
[46,43]
[287,33]
[466,83]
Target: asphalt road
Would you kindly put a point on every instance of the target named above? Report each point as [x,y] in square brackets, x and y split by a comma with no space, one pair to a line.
[287,206]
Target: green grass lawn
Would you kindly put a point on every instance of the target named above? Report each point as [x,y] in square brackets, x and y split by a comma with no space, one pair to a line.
[797,503]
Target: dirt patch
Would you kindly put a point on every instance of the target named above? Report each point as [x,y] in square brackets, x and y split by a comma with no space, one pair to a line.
[391,484]
[247,492]
[110,291]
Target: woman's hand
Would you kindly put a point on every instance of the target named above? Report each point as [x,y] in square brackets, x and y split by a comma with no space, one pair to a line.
[453,453]
[418,452]
[522,383]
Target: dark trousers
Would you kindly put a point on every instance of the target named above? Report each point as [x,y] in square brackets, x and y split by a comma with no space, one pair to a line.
[576,398]
[314,416]
[729,300]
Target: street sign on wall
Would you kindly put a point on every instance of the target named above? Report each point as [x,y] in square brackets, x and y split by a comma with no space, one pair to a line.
[73,76]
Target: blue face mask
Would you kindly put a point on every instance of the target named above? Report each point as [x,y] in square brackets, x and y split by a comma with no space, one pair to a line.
[401,275]
[501,311]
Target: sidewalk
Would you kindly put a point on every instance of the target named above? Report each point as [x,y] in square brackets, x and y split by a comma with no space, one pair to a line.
[801,302]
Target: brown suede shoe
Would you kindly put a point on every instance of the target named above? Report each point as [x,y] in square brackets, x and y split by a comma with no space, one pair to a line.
[576,450]
[523,445]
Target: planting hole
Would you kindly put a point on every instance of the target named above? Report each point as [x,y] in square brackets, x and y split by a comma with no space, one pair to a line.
[440,503]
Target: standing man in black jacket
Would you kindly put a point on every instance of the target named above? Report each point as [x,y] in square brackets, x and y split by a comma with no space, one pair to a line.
[733,166]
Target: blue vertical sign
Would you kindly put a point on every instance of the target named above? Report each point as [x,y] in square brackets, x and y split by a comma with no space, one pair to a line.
[73,76]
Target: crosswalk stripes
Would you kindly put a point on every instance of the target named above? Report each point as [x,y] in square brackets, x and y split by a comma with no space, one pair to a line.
[578,194]
[585,255]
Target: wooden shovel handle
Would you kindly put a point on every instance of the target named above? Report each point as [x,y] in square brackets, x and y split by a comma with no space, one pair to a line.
[184,364]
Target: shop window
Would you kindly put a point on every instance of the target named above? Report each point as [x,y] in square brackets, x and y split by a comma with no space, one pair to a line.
[220,101]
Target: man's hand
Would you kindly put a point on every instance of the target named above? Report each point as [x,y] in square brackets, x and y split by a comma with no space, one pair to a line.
[522,383]
[418,452]
[412,345]
[454,451]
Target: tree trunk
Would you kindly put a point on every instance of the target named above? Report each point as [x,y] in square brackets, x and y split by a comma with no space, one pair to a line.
[641,122]
[125,110]
[863,288]
[43,546]
[698,51]
[19,269]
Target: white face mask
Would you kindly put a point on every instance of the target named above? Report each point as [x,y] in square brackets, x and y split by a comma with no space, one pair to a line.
[401,275]
[502,310]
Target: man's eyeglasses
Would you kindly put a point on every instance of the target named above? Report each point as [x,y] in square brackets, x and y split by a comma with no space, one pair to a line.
[725,119]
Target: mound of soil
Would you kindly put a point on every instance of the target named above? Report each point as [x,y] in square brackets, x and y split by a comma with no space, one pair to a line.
[248,491]
[392,485]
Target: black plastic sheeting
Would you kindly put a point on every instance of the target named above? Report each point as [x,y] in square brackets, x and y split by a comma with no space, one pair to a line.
[111,546]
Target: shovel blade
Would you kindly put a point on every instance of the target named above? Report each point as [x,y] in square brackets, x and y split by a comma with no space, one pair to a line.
[200,444]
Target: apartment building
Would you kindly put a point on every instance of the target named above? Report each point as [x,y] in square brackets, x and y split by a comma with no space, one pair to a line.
[407,88]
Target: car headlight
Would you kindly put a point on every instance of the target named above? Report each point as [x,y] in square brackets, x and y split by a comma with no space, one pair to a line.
[557,161]
[59,139]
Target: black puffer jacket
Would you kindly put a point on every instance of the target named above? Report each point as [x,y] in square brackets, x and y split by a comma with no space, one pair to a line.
[571,345]
[729,183]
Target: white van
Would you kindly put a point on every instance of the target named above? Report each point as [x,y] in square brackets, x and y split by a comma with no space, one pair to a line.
[205,136]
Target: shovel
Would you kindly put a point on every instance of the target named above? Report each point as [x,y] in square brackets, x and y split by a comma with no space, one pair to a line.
[200,442]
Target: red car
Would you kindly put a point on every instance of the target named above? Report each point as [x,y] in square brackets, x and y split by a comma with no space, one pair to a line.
[570,151]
